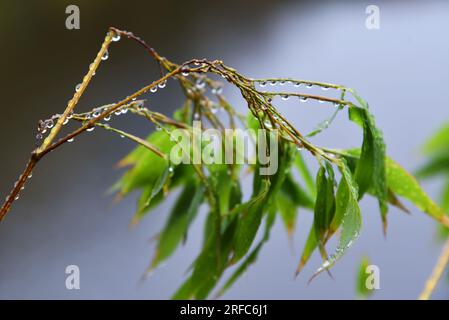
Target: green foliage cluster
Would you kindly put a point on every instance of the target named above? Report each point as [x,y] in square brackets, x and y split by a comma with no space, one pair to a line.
[230,237]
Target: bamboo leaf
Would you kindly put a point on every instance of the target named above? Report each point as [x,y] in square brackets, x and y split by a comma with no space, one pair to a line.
[438,142]
[182,214]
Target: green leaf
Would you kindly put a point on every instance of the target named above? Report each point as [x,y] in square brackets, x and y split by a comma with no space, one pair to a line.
[310,246]
[252,257]
[402,183]
[438,142]
[438,164]
[370,169]
[147,166]
[405,185]
[347,216]
[305,174]
[182,214]
[324,205]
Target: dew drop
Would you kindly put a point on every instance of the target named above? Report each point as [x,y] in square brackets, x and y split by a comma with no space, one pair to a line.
[153,89]
[122,136]
[185,72]
[30,175]
[49,124]
[170,169]
[70,140]
[324,88]
[285,97]
[107,118]
[78,87]
[214,108]
[65,121]
[39,136]
[105,55]
[303,99]
[124,110]
[309,85]
[273,83]
[162,84]
[96,113]
[282,82]
[269,100]
[16,198]
[118,112]
[321,101]
[267,124]
[196,116]
[90,129]
[297,84]
[116,37]
[263,84]
[200,84]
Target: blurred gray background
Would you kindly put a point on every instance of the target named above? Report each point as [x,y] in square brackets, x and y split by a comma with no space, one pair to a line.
[64,218]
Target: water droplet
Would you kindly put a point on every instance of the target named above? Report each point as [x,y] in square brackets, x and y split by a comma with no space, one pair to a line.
[170,169]
[30,175]
[196,116]
[269,100]
[122,136]
[285,97]
[90,129]
[309,85]
[162,84]
[153,89]
[107,118]
[299,148]
[321,101]
[263,84]
[17,197]
[118,112]
[303,99]
[39,136]
[70,140]
[105,55]
[214,108]
[116,37]
[282,82]
[267,124]
[158,128]
[134,99]
[49,124]
[273,83]
[124,110]
[96,113]
[297,84]
[185,72]
[324,88]
[65,121]
[78,87]
[200,84]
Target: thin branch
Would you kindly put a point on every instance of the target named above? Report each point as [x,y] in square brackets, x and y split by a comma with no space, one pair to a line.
[437,272]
